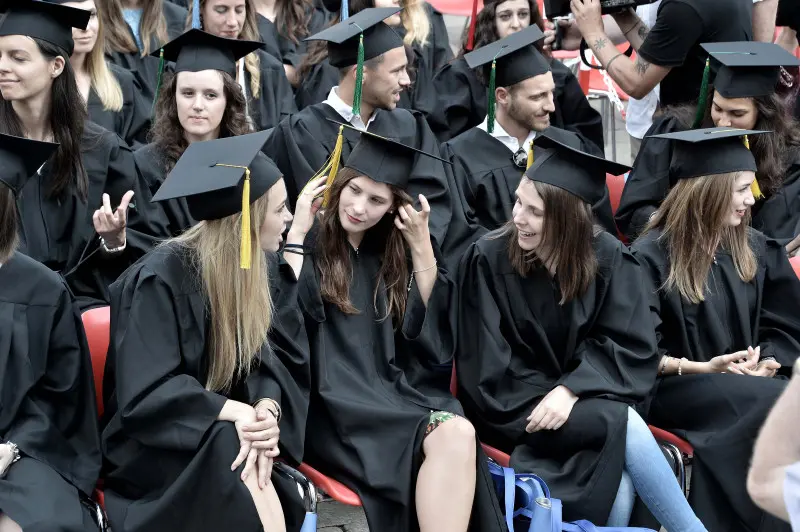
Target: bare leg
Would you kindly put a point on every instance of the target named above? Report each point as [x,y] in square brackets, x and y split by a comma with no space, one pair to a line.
[267,504]
[7,525]
[446,481]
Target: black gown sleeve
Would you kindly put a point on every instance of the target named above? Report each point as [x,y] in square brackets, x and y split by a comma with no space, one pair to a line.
[158,403]
[276,99]
[457,90]
[134,119]
[573,109]
[618,357]
[438,39]
[779,320]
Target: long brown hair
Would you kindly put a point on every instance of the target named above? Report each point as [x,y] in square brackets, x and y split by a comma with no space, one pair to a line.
[167,132]
[238,301]
[568,232]
[249,33]
[486,29]
[693,220]
[119,37]
[9,237]
[67,116]
[333,254]
[103,81]
[292,18]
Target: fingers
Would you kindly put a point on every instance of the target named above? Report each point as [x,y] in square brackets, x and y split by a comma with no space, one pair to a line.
[270,443]
[263,469]
[426,207]
[107,205]
[250,464]
[126,200]
[261,435]
[403,213]
[736,369]
[400,225]
[243,450]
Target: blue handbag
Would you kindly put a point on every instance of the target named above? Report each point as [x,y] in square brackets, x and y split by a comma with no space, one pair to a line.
[528,506]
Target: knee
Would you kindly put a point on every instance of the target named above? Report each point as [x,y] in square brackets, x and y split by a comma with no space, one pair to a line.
[455,437]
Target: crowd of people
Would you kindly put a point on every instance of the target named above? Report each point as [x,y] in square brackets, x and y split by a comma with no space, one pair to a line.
[304,217]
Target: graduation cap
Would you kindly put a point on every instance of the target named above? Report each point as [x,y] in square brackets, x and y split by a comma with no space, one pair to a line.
[221,178]
[512,59]
[711,151]
[563,164]
[749,69]
[196,50]
[21,158]
[48,21]
[360,38]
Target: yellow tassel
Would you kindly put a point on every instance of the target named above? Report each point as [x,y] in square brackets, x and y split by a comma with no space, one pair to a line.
[754,188]
[245,251]
[330,169]
[530,156]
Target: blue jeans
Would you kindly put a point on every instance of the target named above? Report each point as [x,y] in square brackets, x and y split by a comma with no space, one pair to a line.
[648,474]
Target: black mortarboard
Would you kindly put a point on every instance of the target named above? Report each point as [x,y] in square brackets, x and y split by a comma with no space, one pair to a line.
[710,151]
[47,21]
[196,50]
[220,178]
[564,165]
[344,38]
[749,69]
[509,61]
[21,158]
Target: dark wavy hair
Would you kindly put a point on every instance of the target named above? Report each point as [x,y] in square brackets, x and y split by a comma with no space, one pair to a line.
[67,115]
[9,236]
[486,30]
[167,132]
[332,254]
[774,152]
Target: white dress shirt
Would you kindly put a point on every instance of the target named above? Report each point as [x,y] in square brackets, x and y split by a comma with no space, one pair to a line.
[509,141]
[346,111]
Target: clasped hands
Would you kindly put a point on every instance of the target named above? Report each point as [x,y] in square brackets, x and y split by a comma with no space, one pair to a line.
[258,434]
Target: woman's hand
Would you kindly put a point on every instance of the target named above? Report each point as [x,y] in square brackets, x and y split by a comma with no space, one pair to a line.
[413,224]
[263,435]
[726,363]
[7,457]
[110,224]
[549,36]
[305,208]
[552,411]
[749,362]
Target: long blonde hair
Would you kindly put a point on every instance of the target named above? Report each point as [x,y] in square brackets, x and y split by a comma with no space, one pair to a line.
[694,224]
[104,83]
[416,22]
[239,301]
[249,33]
[119,38]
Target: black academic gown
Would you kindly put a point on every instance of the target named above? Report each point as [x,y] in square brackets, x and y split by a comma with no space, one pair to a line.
[302,144]
[484,179]
[721,414]
[167,457]
[132,122]
[777,216]
[153,170]
[516,343]
[147,67]
[275,100]
[368,417]
[461,103]
[59,232]
[269,36]
[47,402]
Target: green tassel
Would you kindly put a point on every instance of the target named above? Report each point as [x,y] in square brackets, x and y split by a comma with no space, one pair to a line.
[703,99]
[359,77]
[490,110]
[158,83]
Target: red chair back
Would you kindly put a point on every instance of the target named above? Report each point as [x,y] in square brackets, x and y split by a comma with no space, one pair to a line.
[615,184]
[97,324]
[795,261]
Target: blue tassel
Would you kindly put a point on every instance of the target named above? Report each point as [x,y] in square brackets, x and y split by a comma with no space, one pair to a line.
[345,10]
[196,14]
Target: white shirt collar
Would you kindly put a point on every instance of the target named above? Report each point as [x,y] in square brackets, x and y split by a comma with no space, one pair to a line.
[346,111]
[508,141]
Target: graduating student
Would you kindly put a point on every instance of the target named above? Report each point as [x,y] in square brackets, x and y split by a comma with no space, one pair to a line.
[200,100]
[69,203]
[50,453]
[460,102]
[303,143]
[134,29]
[727,309]
[262,77]
[489,159]
[555,345]
[743,97]
[377,310]
[202,368]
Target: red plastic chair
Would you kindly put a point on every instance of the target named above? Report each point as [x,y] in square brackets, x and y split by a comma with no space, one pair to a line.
[338,491]
[795,262]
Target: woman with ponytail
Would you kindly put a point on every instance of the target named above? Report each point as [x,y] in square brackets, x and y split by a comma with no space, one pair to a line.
[261,77]
[207,372]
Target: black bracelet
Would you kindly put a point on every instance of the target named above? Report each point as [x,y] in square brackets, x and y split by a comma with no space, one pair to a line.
[296,246]
[297,252]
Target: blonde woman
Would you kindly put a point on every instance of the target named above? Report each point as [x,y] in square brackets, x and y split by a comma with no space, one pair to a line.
[261,76]
[113,95]
[726,306]
[136,28]
[201,367]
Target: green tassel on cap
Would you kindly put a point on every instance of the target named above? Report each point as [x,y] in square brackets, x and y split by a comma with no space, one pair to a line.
[359,77]
[490,109]
[703,99]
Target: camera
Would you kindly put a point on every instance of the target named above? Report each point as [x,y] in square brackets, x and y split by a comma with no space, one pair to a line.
[560,8]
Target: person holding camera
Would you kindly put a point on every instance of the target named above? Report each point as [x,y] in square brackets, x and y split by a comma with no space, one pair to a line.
[670,52]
